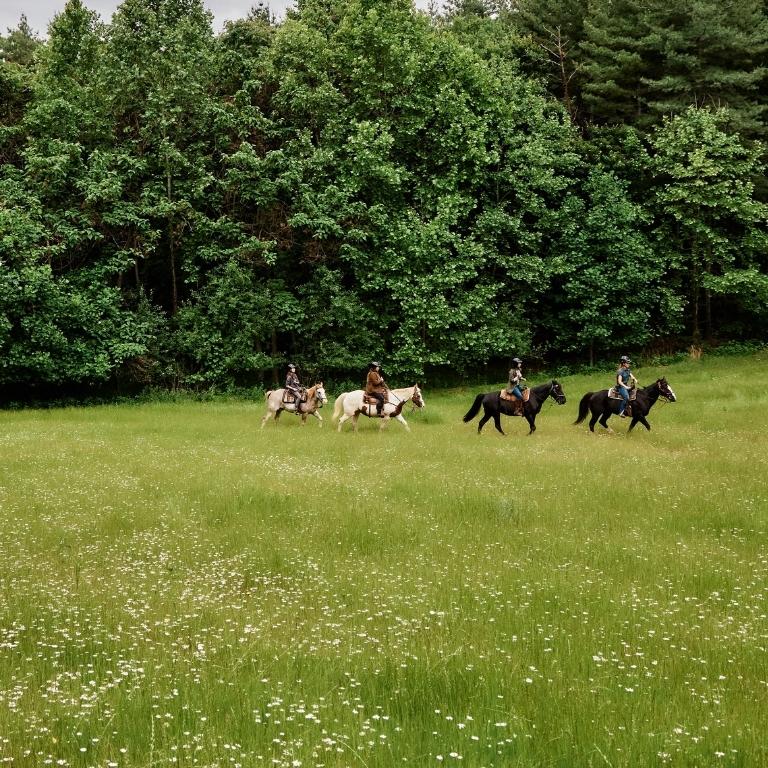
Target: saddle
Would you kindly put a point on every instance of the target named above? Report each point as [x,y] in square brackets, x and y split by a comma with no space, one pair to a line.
[614,395]
[289,398]
[370,400]
[516,403]
[512,398]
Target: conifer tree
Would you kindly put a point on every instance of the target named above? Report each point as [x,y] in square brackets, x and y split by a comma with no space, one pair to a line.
[644,60]
[20,44]
[713,55]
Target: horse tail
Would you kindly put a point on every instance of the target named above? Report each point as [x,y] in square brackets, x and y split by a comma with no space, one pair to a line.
[267,394]
[583,407]
[475,409]
[337,407]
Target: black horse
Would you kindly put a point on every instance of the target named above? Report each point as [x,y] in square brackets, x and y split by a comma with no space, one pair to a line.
[494,405]
[603,407]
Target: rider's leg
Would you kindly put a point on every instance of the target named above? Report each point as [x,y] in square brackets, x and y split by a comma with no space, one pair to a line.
[624,392]
[516,391]
[380,404]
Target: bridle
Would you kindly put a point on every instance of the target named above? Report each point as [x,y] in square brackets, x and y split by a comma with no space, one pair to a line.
[555,394]
[415,399]
[668,395]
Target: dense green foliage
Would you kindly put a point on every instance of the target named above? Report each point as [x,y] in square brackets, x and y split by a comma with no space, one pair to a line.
[363,180]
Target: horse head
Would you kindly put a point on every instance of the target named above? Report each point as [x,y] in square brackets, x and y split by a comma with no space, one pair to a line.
[417,398]
[319,393]
[665,390]
[556,392]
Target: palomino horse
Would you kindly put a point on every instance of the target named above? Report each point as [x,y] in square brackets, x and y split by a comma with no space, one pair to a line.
[316,398]
[493,405]
[603,407]
[350,405]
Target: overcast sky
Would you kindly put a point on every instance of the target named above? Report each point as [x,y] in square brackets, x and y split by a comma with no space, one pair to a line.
[40,12]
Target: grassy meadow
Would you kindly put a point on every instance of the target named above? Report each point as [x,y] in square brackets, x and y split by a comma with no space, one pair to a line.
[179,587]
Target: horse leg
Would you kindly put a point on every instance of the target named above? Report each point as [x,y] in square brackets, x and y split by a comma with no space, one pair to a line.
[277,413]
[400,418]
[593,420]
[354,420]
[642,420]
[265,419]
[497,422]
[318,417]
[532,421]
[384,422]
[604,420]
[303,419]
[481,424]
[342,419]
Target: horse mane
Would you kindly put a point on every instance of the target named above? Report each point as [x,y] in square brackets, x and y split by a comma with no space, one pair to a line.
[311,391]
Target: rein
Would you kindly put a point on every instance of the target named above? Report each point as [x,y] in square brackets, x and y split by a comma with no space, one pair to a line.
[405,400]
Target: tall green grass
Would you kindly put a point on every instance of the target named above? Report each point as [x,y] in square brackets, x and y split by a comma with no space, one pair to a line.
[178,587]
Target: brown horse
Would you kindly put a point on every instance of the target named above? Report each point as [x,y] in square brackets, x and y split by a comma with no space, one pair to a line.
[316,399]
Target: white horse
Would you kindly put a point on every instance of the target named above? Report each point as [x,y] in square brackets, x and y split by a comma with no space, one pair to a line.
[350,405]
[316,398]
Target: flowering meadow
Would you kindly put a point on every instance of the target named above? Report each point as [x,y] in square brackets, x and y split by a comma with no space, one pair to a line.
[180,588]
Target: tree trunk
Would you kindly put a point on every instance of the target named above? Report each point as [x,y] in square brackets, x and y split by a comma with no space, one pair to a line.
[695,309]
[275,378]
[171,251]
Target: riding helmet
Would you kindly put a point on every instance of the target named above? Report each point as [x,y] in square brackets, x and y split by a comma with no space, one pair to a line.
[517,361]
[624,359]
[291,366]
[374,364]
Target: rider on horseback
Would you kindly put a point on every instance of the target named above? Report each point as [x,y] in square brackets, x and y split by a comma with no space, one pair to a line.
[516,380]
[376,387]
[293,385]
[624,382]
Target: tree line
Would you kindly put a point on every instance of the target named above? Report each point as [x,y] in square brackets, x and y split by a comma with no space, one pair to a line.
[364,180]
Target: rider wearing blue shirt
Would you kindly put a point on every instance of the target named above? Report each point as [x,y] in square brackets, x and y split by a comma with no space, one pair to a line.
[624,382]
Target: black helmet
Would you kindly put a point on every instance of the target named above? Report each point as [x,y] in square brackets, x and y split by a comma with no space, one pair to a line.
[291,366]
[624,359]
[517,361]
[374,364]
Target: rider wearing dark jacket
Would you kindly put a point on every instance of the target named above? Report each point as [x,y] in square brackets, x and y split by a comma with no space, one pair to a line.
[376,387]
[293,385]
[516,378]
